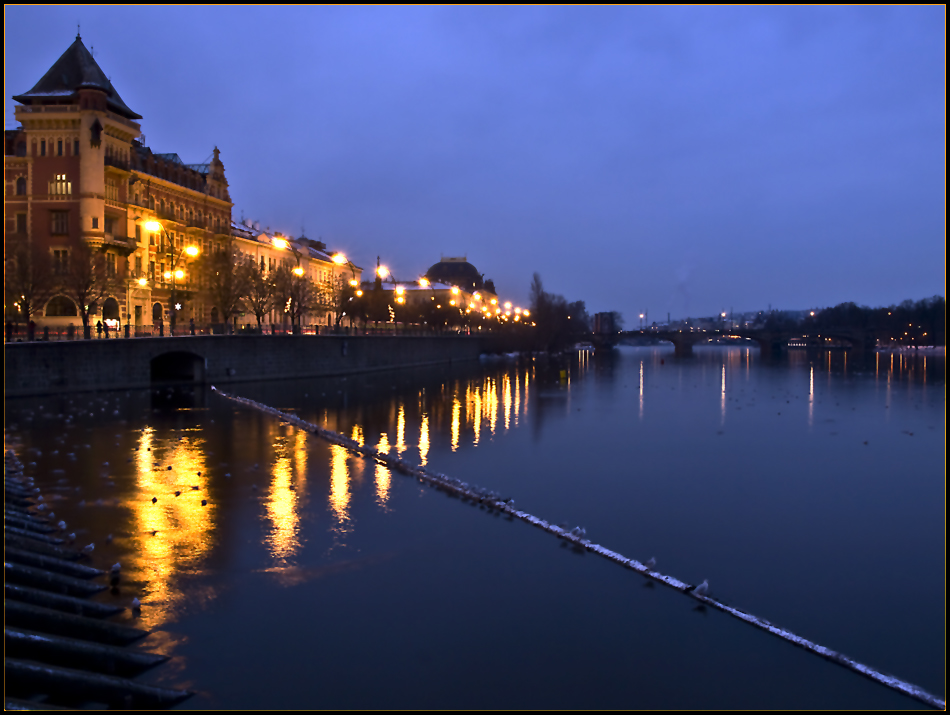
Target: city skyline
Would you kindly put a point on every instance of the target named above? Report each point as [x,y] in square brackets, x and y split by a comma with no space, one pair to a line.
[682,161]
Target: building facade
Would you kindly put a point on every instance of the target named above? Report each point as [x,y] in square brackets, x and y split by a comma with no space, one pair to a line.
[84,195]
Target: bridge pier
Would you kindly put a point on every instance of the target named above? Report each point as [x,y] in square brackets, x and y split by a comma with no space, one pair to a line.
[682,348]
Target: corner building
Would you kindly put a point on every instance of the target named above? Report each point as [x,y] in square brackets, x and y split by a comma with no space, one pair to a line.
[76,172]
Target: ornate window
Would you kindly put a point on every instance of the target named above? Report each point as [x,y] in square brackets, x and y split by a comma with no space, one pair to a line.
[61,306]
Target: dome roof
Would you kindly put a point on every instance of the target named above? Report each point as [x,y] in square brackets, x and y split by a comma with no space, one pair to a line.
[456,271]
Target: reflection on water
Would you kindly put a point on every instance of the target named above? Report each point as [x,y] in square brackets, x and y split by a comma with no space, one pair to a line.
[175,531]
[288,485]
[339,496]
[383,475]
[273,490]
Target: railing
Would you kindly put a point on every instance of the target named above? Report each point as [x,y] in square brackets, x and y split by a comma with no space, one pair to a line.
[116,162]
[21,333]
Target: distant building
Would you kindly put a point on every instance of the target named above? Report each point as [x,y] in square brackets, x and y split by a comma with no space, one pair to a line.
[457,272]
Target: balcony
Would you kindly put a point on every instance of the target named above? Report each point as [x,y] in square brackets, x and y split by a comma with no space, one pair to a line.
[116,163]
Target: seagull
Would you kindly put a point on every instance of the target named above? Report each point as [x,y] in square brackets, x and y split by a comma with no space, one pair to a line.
[136,604]
[116,567]
[62,526]
[702,589]
[651,563]
[88,548]
[177,493]
[154,499]
[71,538]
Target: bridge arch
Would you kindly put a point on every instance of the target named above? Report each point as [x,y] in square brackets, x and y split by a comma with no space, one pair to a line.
[177,366]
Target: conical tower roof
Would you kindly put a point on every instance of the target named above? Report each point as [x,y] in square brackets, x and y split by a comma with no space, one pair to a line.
[76,69]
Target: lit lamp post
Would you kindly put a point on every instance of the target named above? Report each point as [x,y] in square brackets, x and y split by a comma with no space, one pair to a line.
[175,274]
[295,287]
[354,286]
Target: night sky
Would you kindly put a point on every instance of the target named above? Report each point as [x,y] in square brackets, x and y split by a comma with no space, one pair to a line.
[676,160]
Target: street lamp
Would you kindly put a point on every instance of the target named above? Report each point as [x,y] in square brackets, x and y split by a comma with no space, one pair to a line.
[175,274]
[294,288]
[354,287]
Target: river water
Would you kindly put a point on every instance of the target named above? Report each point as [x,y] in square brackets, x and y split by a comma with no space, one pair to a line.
[808,490]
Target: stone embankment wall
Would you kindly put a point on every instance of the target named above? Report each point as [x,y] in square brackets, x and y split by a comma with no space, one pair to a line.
[35,368]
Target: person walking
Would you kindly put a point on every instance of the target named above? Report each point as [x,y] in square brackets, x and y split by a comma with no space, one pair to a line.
[105,327]
[99,329]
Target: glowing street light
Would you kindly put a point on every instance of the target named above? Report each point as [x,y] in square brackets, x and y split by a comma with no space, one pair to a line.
[382,271]
[339,259]
[175,274]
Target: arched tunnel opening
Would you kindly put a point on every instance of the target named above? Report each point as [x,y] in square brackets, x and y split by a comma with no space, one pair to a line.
[179,366]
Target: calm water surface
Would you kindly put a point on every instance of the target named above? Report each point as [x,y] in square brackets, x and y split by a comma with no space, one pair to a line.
[809,491]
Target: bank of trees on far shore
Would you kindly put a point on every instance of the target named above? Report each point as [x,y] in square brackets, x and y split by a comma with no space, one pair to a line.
[921,322]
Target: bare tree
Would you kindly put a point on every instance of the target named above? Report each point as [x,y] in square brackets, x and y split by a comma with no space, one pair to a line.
[261,292]
[27,280]
[225,278]
[88,280]
[298,294]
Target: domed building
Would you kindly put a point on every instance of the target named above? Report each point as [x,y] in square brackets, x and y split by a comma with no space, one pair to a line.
[456,272]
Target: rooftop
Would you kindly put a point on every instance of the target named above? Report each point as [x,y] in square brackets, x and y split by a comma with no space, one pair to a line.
[76,69]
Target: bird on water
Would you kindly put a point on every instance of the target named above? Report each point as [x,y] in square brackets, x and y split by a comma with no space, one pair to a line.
[702,589]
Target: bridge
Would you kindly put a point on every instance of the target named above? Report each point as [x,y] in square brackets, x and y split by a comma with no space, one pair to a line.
[770,341]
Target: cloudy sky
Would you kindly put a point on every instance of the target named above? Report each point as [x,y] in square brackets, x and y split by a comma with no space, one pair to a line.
[674,160]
